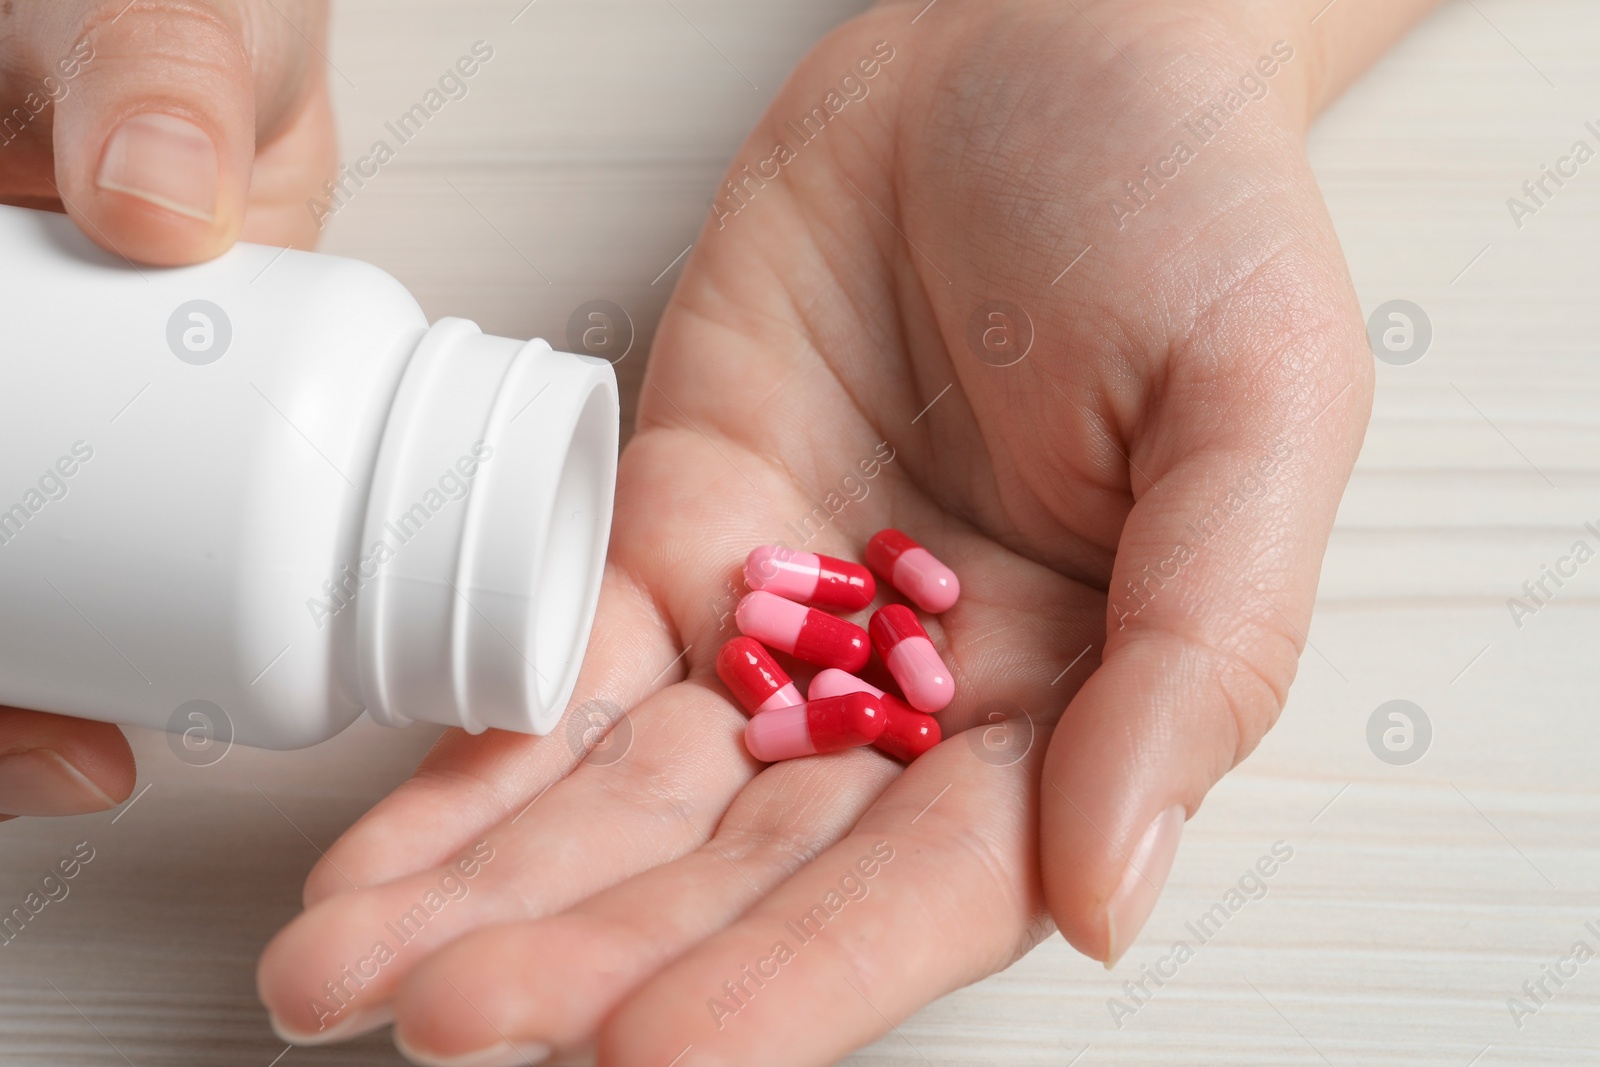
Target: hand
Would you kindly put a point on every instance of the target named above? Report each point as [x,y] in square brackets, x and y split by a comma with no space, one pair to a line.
[167,131]
[1137,507]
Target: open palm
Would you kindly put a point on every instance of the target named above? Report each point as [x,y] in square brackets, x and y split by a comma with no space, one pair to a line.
[1125,427]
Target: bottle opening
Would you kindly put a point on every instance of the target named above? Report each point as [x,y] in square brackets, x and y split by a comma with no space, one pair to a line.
[483,619]
[570,586]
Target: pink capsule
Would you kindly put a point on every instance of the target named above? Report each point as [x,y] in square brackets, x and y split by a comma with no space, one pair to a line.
[828,725]
[904,647]
[821,581]
[906,735]
[836,683]
[913,570]
[803,632]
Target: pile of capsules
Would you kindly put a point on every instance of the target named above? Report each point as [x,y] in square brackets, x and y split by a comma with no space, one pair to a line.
[841,710]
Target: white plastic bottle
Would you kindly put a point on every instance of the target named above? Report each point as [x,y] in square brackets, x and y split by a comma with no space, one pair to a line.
[266,485]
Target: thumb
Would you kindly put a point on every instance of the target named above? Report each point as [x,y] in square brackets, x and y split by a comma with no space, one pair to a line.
[155,135]
[1210,596]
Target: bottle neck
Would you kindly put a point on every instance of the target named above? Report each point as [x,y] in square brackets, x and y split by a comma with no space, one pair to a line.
[485,533]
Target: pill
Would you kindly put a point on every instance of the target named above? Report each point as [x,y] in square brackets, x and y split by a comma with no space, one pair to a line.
[827,725]
[907,733]
[754,677]
[913,570]
[836,683]
[904,647]
[803,632]
[821,581]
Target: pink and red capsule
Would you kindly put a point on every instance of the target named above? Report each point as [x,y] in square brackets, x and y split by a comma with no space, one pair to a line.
[907,733]
[754,677]
[820,581]
[905,649]
[831,724]
[805,633]
[913,570]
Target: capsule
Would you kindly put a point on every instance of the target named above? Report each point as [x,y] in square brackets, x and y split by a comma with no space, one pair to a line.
[829,725]
[803,632]
[907,733]
[904,647]
[820,581]
[754,677]
[913,570]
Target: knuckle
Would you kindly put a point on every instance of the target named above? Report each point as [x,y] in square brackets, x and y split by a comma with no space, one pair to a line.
[1251,685]
[146,23]
[782,850]
[989,866]
[165,43]
[1242,680]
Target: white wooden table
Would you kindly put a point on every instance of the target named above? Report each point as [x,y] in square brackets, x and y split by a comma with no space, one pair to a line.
[1419,898]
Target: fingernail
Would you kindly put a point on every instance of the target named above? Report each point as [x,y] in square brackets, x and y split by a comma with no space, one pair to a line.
[1136,895]
[359,1023]
[503,1054]
[41,782]
[165,160]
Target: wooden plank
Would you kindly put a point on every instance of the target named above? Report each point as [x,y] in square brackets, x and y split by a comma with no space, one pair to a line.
[1418,898]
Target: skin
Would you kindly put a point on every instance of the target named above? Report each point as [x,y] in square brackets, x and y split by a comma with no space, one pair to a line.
[1204,340]
[1210,337]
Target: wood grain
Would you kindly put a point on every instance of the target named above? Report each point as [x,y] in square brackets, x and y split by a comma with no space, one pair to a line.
[1418,898]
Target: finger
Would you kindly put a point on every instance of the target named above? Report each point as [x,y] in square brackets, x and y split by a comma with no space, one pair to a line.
[659,800]
[934,889]
[154,133]
[1211,592]
[53,765]
[644,638]
[527,988]
[597,826]
[468,783]
[287,185]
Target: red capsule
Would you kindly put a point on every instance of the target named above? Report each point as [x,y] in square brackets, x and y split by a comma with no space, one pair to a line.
[821,581]
[754,677]
[829,725]
[803,632]
[907,733]
[905,649]
[913,570]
